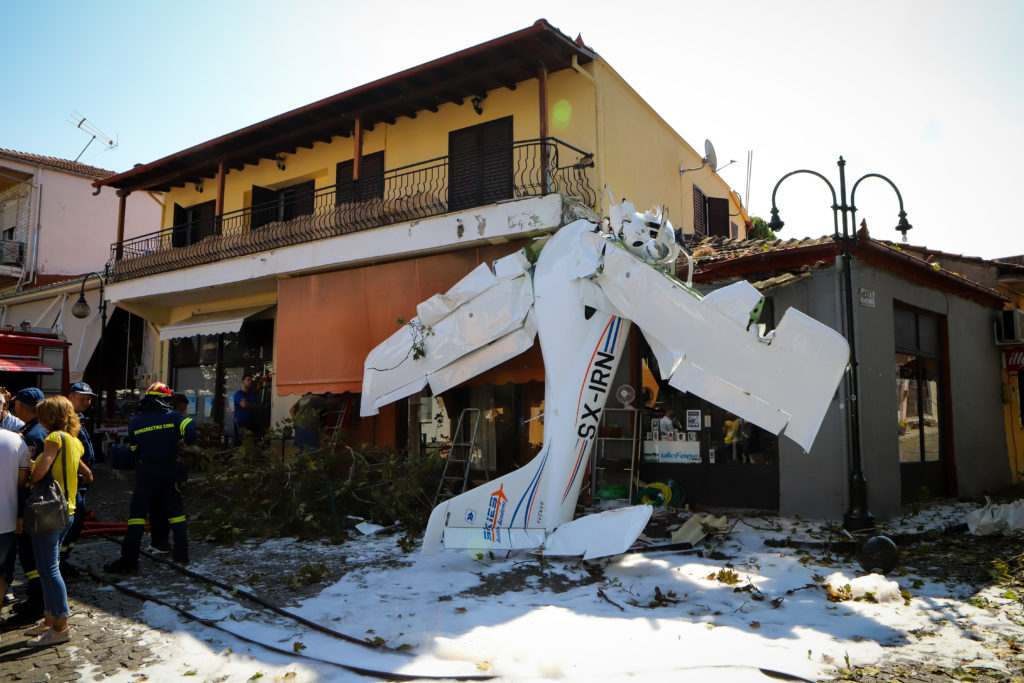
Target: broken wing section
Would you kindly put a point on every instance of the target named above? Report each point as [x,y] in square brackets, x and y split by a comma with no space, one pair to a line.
[483,320]
[783,383]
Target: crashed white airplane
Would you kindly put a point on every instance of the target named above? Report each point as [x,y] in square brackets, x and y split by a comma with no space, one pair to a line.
[589,282]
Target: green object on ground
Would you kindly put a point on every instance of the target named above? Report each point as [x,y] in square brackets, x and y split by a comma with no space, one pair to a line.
[611,492]
[659,493]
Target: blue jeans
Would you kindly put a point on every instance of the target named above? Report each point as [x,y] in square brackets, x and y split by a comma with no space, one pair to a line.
[46,549]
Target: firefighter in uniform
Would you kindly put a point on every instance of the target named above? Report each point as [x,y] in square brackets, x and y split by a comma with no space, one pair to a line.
[157,436]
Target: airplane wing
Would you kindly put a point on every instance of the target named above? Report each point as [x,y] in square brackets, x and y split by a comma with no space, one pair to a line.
[482,321]
[782,383]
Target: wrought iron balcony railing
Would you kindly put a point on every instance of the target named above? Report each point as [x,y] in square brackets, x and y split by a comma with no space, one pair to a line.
[428,188]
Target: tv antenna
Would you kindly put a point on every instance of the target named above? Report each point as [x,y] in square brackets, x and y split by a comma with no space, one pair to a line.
[710,159]
[80,122]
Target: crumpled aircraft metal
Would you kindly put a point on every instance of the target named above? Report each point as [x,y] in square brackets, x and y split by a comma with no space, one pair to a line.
[580,297]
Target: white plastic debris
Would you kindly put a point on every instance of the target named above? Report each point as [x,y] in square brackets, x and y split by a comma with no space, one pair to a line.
[996,519]
[696,528]
[368,528]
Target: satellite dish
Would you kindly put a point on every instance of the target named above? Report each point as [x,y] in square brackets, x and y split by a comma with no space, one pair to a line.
[625,394]
[710,158]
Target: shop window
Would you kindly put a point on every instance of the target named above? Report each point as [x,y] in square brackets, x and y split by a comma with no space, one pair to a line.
[715,436]
[917,394]
[209,369]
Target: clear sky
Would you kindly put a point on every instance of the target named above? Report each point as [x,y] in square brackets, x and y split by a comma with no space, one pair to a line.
[926,92]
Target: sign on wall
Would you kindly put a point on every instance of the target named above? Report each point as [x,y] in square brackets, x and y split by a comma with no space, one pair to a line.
[1014,359]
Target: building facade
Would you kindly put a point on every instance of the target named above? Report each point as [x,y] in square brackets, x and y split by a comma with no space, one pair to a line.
[290,248]
[931,418]
[55,229]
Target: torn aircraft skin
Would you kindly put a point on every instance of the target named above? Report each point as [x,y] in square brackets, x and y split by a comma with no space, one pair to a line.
[587,286]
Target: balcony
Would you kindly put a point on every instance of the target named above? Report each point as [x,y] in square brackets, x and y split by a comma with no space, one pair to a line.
[429,188]
[12,253]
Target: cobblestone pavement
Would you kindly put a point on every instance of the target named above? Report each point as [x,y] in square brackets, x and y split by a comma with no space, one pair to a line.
[105,641]
[105,636]
[109,637]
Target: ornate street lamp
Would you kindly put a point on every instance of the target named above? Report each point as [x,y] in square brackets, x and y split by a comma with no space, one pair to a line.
[857,517]
[81,310]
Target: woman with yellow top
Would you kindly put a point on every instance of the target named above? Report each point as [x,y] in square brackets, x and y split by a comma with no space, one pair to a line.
[59,418]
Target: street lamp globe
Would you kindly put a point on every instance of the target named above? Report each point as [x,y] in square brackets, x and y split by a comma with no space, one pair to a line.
[81,308]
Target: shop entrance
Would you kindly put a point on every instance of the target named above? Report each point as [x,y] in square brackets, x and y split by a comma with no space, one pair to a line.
[717,458]
[920,397]
[209,369]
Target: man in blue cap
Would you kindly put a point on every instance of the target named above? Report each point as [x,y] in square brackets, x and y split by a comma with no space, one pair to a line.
[31,610]
[81,396]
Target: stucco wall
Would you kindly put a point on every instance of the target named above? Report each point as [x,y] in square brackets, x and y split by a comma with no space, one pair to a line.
[817,484]
[636,152]
[642,156]
[814,484]
[407,141]
[76,228]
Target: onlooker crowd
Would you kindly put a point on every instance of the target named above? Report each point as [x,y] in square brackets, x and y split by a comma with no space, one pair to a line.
[46,438]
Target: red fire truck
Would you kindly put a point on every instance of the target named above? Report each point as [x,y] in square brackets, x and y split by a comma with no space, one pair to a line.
[29,358]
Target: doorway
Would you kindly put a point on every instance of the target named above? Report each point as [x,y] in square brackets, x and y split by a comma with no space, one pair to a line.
[920,401]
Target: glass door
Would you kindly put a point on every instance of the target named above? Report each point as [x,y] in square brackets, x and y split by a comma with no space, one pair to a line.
[919,400]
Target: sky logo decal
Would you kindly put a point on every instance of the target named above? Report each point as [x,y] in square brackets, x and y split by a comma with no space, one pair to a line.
[495,515]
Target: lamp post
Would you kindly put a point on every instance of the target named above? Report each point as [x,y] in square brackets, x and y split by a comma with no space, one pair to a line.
[857,517]
[81,309]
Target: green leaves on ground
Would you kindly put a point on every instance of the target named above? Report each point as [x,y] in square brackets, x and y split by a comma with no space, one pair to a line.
[258,492]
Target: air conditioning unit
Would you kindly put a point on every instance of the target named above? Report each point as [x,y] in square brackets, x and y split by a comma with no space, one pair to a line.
[1011,326]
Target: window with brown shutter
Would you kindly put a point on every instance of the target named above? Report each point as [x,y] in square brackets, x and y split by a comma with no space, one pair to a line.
[480,164]
[371,179]
[717,216]
[700,226]
[282,205]
[193,223]
[264,206]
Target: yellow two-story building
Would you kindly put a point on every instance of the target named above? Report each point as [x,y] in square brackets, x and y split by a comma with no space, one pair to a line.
[291,247]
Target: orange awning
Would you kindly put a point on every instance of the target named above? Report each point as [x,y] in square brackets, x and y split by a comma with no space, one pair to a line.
[327,323]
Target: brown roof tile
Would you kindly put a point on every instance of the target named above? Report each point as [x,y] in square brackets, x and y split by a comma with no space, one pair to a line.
[55,163]
[774,263]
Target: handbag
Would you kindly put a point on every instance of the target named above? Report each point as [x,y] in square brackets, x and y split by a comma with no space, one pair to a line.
[46,509]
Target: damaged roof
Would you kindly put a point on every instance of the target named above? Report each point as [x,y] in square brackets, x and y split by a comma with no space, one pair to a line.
[768,264]
[502,62]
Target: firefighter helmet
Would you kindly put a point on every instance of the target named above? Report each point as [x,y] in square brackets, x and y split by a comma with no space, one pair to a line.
[158,389]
